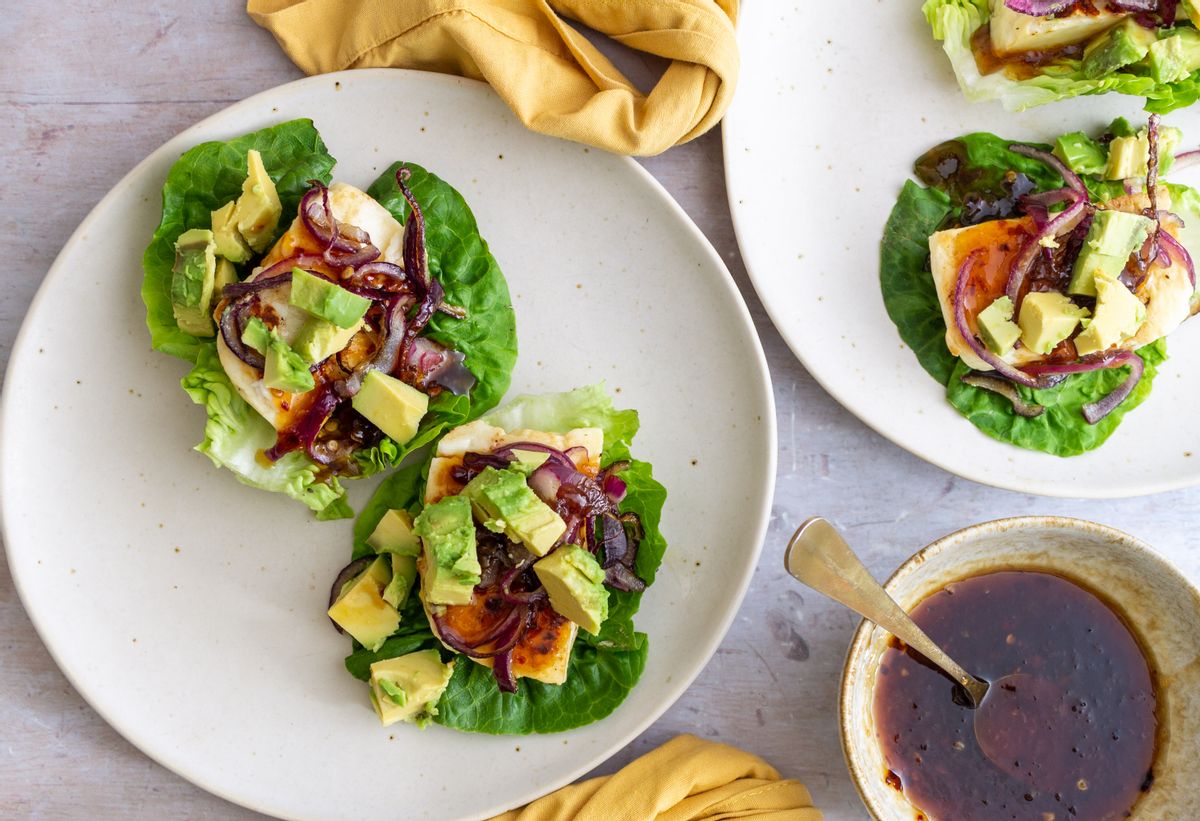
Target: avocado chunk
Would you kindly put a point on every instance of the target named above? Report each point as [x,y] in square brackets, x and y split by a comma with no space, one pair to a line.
[1174,58]
[1130,156]
[1111,239]
[192,281]
[394,534]
[996,327]
[391,405]
[1119,314]
[258,209]
[284,369]
[320,339]
[1081,153]
[327,300]
[1120,46]
[451,565]
[404,573]
[575,582]
[504,503]
[1047,318]
[226,275]
[228,239]
[407,688]
[360,609]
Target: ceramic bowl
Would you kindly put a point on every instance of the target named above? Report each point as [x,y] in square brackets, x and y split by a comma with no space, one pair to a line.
[1159,603]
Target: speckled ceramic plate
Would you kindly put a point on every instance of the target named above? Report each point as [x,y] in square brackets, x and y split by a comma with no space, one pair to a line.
[823,133]
[188,609]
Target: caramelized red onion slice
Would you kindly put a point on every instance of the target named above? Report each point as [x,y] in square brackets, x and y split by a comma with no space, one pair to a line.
[1135,5]
[501,638]
[1069,177]
[432,364]
[1006,389]
[304,433]
[1093,412]
[514,573]
[233,322]
[379,276]
[416,256]
[345,244]
[502,670]
[964,329]
[1062,224]
[1039,8]
[238,290]
[1174,246]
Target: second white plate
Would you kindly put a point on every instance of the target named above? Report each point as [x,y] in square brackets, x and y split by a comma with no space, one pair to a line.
[834,105]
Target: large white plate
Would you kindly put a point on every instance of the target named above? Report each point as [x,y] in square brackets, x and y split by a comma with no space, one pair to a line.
[835,102]
[188,609]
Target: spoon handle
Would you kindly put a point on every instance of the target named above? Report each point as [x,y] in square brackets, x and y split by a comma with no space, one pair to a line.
[819,557]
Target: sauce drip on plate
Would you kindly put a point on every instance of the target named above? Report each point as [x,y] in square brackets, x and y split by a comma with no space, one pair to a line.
[1081,705]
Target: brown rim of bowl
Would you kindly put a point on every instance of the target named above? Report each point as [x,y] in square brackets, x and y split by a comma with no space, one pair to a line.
[858,642]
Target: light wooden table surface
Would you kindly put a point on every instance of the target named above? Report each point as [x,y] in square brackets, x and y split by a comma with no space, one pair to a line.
[90,87]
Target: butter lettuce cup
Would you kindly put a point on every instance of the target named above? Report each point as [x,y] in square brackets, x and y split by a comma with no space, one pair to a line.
[493,588]
[1039,282]
[1140,600]
[331,330]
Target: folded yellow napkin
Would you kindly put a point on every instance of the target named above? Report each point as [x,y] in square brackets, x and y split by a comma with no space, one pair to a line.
[686,779]
[555,81]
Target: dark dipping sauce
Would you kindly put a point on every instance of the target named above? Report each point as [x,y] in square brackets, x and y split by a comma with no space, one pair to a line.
[1089,728]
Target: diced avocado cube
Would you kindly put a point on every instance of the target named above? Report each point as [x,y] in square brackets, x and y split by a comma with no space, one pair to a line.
[408,688]
[327,300]
[1119,315]
[1111,239]
[1174,58]
[229,241]
[1129,157]
[226,275]
[451,564]
[284,369]
[258,209]
[391,405]
[996,327]
[394,534]
[574,581]
[361,611]
[504,503]
[1121,127]
[530,460]
[1047,318]
[1082,154]
[320,339]
[192,281]
[1120,46]
[404,573]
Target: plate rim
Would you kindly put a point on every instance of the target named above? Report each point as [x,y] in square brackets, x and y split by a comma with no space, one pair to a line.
[677,686]
[762,288]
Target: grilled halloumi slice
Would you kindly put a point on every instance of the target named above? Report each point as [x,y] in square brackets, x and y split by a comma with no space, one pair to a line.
[480,437]
[1015,33]
[1166,291]
[545,650]
[351,206]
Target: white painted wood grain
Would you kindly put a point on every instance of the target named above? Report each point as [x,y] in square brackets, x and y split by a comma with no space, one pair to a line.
[90,87]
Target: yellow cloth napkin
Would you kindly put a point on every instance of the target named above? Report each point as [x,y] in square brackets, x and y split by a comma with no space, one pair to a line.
[555,81]
[686,779]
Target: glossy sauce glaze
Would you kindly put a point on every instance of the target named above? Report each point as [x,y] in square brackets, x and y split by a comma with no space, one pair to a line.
[1078,722]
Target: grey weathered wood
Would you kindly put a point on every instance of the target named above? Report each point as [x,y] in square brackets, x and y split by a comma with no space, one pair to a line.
[90,87]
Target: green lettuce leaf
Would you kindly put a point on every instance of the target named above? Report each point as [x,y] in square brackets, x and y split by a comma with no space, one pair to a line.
[210,175]
[1061,429]
[205,178]
[603,669]
[912,304]
[235,433]
[955,21]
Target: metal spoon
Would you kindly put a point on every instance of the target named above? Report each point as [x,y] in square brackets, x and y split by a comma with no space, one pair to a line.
[819,557]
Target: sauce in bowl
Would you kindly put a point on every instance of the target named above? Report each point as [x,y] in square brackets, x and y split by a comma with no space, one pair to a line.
[1075,718]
